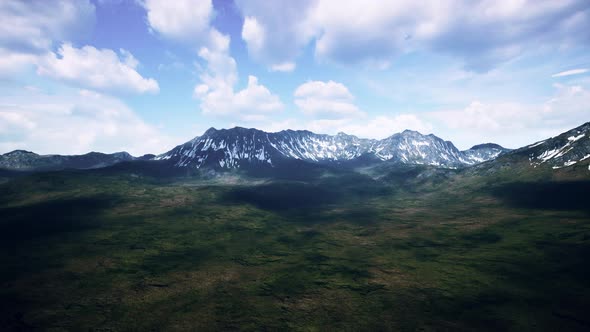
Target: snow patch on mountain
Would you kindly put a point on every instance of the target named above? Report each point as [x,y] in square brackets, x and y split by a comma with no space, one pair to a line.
[561,151]
[575,138]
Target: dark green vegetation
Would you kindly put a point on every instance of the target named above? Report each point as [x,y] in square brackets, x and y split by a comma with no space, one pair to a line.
[383,249]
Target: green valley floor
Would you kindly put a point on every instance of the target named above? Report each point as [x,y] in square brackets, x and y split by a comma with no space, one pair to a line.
[460,252]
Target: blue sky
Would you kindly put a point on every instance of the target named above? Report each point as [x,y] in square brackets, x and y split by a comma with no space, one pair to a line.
[146,75]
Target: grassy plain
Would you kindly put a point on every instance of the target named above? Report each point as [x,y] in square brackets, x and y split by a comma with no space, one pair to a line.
[409,250]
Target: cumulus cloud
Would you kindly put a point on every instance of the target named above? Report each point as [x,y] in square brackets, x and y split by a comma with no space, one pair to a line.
[101,69]
[250,103]
[283,67]
[220,72]
[218,79]
[254,34]
[378,127]
[65,122]
[185,21]
[386,125]
[330,99]
[30,28]
[483,33]
[276,31]
[75,124]
[514,124]
[189,21]
[181,20]
[13,121]
[12,62]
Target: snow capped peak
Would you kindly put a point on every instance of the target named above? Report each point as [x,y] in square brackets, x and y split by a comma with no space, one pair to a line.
[487,146]
[243,147]
[122,155]
[210,131]
[411,132]
[19,153]
[483,152]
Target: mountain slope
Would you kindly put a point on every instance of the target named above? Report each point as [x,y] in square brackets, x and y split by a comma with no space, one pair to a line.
[241,147]
[564,150]
[565,156]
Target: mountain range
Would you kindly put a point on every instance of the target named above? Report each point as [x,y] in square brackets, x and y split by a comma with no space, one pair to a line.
[20,160]
[243,148]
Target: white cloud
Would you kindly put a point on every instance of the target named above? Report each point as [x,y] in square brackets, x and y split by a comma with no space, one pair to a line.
[96,69]
[283,67]
[274,125]
[373,32]
[326,99]
[254,34]
[571,72]
[384,126]
[32,26]
[12,62]
[252,103]
[30,30]
[12,120]
[257,96]
[181,20]
[75,124]
[189,21]
[221,71]
[218,79]
[513,124]
[377,127]
[487,117]
[128,58]
[325,126]
[276,31]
